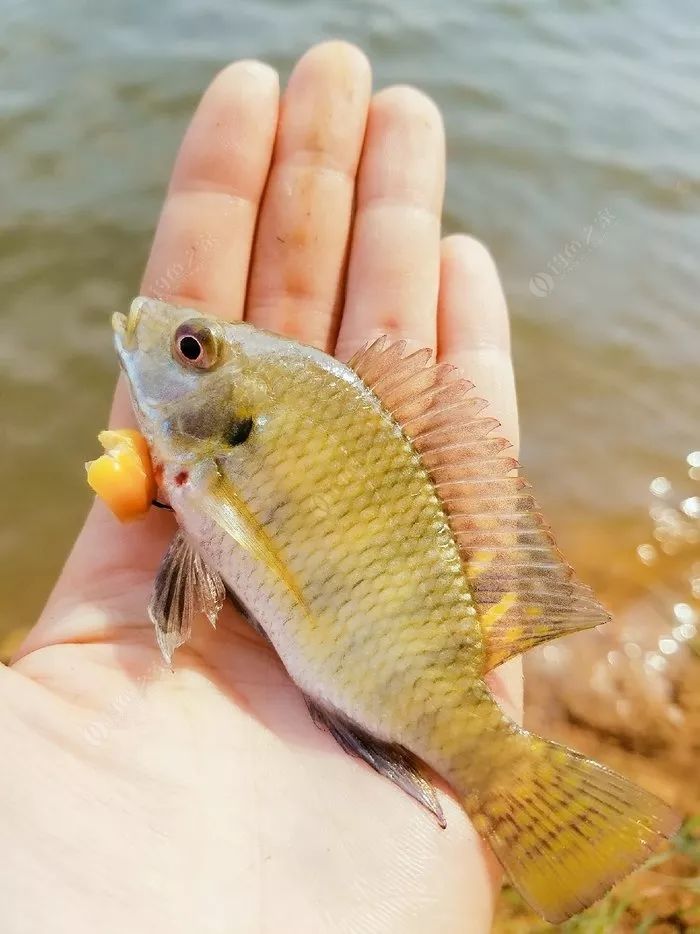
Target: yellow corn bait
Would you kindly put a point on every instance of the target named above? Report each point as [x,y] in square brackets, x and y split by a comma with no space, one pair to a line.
[123,476]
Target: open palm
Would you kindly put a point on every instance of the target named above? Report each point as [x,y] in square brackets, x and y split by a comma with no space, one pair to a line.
[205,800]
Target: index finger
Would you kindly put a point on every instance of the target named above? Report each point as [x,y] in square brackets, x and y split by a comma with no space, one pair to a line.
[202,247]
[204,239]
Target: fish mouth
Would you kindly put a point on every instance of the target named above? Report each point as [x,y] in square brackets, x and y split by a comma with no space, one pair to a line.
[124,326]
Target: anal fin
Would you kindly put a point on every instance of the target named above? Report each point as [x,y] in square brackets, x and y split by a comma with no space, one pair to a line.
[389,759]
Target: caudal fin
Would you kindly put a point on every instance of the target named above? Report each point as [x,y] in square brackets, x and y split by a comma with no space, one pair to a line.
[567,829]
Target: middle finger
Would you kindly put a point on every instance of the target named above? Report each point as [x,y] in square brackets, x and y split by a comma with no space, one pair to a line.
[301,244]
[394,268]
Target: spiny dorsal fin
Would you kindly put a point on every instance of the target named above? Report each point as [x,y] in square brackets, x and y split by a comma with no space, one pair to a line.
[524,591]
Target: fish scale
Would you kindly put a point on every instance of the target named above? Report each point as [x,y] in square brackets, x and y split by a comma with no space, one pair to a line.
[373,526]
[393,603]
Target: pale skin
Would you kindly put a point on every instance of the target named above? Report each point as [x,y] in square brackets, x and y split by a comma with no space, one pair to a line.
[136,798]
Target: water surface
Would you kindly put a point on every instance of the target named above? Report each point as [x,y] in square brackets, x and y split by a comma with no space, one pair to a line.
[573,137]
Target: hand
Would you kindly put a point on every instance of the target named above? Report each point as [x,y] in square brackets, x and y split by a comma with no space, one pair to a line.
[204,799]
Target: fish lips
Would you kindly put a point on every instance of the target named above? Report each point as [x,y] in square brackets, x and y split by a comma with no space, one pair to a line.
[126,346]
[124,326]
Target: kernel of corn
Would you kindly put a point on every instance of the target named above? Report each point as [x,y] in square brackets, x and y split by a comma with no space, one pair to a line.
[123,476]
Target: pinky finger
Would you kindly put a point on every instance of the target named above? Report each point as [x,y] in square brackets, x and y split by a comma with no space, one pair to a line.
[473,327]
[474,335]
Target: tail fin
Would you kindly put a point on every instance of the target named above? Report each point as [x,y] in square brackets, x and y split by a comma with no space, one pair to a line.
[567,829]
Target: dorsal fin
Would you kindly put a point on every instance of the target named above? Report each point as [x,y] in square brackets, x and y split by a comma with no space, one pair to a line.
[524,591]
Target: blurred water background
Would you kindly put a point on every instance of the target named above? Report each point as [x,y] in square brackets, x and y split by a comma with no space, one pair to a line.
[574,153]
[573,134]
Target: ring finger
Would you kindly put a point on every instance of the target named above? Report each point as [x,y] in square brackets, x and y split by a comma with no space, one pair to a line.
[394,266]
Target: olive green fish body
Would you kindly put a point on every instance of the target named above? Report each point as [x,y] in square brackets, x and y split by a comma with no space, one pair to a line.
[370,523]
[378,620]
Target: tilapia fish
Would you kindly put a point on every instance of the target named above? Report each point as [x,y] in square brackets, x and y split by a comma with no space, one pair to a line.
[370,520]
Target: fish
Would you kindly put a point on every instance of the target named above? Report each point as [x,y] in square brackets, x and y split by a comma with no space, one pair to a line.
[371,522]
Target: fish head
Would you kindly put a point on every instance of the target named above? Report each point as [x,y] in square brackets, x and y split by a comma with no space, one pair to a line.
[186,374]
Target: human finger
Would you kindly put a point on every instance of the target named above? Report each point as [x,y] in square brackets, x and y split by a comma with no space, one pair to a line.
[296,283]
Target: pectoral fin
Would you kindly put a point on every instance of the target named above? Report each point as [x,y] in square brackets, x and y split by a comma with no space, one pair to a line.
[389,759]
[223,504]
[183,587]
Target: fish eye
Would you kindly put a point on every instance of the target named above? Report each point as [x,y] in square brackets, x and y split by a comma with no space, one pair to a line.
[196,345]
